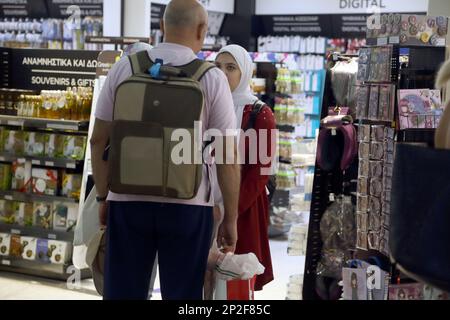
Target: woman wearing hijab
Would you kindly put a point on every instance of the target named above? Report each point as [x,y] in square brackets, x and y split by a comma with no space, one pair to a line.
[253,221]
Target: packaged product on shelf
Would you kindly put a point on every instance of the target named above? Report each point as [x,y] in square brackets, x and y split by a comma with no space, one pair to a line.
[29,247]
[362,221]
[43,215]
[5,244]
[74,147]
[42,251]
[58,251]
[71,185]
[54,146]
[21,176]
[376,169]
[34,144]
[377,133]
[7,212]
[15,249]
[5,176]
[374,222]
[361,240]
[45,181]
[376,150]
[408,291]
[259,85]
[362,101]
[373,103]
[364,133]
[386,103]
[374,205]
[364,150]
[64,216]
[362,203]
[23,213]
[364,168]
[13,142]
[363,186]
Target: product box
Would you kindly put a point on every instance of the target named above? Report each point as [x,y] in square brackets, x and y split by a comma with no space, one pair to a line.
[42,250]
[23,212]
[43,215]
[7,212]
[74,147]
[34,144]
[29,247]
[5,244]
[5,177]
[13,142]
[71,185]
[64,216]
[419,108]
[16,246]
[58,251]
[21,176]
[409,291]
[54,146]
[45,181]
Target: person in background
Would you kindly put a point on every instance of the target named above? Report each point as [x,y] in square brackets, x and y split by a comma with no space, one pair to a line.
[253,220]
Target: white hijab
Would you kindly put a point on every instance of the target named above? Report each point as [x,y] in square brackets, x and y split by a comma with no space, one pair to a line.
[242,95]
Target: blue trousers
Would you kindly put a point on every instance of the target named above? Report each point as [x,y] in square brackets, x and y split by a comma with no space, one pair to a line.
[181,235]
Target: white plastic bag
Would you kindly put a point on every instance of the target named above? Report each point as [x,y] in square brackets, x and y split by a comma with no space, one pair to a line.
[87,226]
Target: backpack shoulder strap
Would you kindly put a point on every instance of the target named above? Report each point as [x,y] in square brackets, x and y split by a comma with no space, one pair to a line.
[197,69]
[256,109]
[140,62]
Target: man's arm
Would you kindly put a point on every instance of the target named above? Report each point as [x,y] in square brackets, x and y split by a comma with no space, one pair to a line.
[229,178]
[99,140]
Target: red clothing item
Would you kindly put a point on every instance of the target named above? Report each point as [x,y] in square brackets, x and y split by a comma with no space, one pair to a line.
[253,221]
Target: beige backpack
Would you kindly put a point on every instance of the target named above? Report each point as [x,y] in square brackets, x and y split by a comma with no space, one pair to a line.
[147,110]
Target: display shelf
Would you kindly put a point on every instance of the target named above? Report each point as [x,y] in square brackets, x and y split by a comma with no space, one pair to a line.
[41,269]
[37,232]
[42,161]
[39,123]
[31,197]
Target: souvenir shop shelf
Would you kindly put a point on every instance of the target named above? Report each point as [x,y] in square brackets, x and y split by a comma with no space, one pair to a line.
[25,122]
[37,232]
[42,161]
[31,197]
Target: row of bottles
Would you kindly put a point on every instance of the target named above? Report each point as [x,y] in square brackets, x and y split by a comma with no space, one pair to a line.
[72,104]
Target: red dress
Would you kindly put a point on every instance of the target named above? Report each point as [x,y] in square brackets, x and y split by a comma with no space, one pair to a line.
[253,221]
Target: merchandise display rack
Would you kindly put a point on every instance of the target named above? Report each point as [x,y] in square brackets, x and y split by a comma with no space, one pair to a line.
[423,59]
[61,270]
[36,267]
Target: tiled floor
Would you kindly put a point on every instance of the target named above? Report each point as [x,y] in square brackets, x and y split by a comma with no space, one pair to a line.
[20,287]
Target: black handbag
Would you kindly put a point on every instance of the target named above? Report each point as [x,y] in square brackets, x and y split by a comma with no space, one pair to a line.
[420,214]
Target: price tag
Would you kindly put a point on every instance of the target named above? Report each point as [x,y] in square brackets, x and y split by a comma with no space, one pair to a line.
[2,159]
[21,160]
[36,162]
[61,126]
[15,123]
[52,236]
[394,40]
[49,163]
[15,231]
[382,41]
[71,165]
[8,197]
[6,262]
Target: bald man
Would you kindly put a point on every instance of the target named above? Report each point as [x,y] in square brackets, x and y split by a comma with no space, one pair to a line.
[178,230]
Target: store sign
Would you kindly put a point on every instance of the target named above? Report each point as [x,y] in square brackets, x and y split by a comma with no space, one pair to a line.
[36,69]
[157,14]
[58,8]
[22,9]
[223,6]
[306,7]
[332,26]
[215,19]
